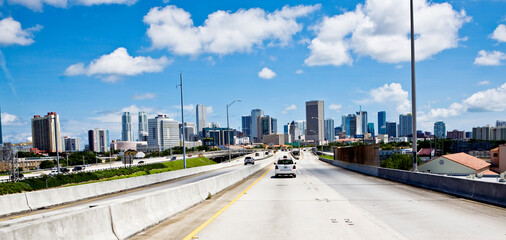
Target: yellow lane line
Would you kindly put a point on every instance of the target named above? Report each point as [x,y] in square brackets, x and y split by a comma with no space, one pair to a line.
[201,227]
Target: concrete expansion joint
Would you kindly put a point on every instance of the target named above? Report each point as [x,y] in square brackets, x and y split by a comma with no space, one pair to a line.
[27,203]
[112,224]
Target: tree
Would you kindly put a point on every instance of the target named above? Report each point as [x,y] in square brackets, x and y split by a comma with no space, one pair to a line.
[47,164]
[399,161]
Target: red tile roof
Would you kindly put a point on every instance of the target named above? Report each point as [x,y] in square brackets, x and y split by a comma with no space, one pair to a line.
[488,172]
[425,151]
[467,160]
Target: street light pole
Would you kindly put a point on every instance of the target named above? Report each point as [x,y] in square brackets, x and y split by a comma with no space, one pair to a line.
[413,87]
[228,128]
[182,119]
[56,142]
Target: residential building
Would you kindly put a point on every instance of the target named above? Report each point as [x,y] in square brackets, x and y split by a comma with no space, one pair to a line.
[329,130]
[489,133]
[126,127]
[201,115]
[315,121]
[456,134]
[256,115]
[46,133]
[440,129]
[499,123]
[405,125]
[98,140]
[72,144]
[246,125]
[163,133]
[498,159]
[143,126]
[457,164]
[391,128]
[382,120]
[370,128]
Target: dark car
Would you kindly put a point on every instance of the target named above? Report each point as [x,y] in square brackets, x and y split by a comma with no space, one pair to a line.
[140,162]
[173,158]
[77,168]
[20,175]
[64,170]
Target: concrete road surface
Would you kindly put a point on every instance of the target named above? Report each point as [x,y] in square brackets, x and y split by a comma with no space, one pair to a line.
[327,202]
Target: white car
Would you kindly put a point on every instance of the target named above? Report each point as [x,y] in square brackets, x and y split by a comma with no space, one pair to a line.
[285,166]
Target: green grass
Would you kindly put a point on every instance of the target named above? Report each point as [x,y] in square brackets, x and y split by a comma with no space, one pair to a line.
[99,176]
[327,157]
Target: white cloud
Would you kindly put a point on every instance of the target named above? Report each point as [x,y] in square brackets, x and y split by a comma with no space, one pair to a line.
[119,63]
[114,116]
[380,29]
[492,58]
[144,96]
[38,5]
[484,83]
[499,33]
[335,107]
[223,32]
[392,94]
[266,73]
[299,71]
[10,120]
[490,100]
[209,109]
[12,33]
[289,108]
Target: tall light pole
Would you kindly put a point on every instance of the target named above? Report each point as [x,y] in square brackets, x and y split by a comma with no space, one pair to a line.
[56,140]
[228,128]
[413,86]
[182,119]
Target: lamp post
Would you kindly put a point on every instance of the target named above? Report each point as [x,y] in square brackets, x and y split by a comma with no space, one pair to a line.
[182,118]
[413,86]
[228,127]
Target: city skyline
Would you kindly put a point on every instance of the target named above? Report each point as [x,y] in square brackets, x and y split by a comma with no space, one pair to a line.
[460,80]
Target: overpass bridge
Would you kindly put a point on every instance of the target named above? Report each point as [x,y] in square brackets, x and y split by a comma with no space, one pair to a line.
[247,202]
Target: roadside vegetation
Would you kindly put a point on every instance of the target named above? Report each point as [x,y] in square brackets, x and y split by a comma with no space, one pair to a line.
[399,161]
[45,181]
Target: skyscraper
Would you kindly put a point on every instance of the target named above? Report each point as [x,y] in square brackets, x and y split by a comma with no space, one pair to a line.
[46,132]
[246,125]
[256,114]
[143,126]
[370,128]
[382,119]
[361,122]
[98,140]
[265,126]
[163,133]
[294,132]
[440,129]
[126,127]
[71,144]
[405,125]
[315,121]
[201,114]
[329,129]
[391,129]
[274,125]
[498,123]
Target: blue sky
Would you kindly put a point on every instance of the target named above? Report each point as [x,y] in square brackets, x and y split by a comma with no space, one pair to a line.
[89,60]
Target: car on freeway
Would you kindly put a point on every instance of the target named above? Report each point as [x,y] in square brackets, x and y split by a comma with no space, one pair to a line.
[53,172]
[64,170]
[78,168]
[285,166]
[140,162]
[173,158]
[19,175]
[266,153]
[201,155]
[249,160]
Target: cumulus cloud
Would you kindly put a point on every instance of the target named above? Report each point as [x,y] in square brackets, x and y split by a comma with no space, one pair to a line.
[490,100]
[209,109]
[499,33]
[38,5]
[223,32]
[144,96]
[13,33]
[392,94]
[380,29]
[266,73]
[289,108]
[299,71]
[114,116]
[119,63]
[10,120]
[492,58]
[335,107]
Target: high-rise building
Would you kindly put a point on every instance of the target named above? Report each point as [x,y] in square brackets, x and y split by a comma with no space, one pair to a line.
[98,140]
[489,133]
[46,132]
[274,125]
[498,123]
[1,139]
[301,128]
[370,128]
[190,131]
[256,133]
[293,132]
[329,129]
[343,122]
[126,127]
[163,133]
[71,144]
[143,126]
[391,129]
[337,130]
[440,129]
[405,125]
[361,122]
[382,119]
[456,134]
[201,115]
[351,125]
[246,125]
[265,125]
[315,121]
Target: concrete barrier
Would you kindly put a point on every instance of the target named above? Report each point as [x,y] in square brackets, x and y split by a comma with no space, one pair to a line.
[13,203]
[488,192]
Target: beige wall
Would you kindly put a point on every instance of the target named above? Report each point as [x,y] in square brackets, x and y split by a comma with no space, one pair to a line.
[502,158]
[448,167]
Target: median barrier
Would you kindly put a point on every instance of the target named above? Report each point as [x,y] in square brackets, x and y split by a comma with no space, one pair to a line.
[13,203]
[488,192]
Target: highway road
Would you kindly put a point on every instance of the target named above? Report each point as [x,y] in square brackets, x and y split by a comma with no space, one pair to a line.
[328,202]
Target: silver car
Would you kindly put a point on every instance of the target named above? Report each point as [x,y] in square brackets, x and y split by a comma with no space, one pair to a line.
[285,166]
